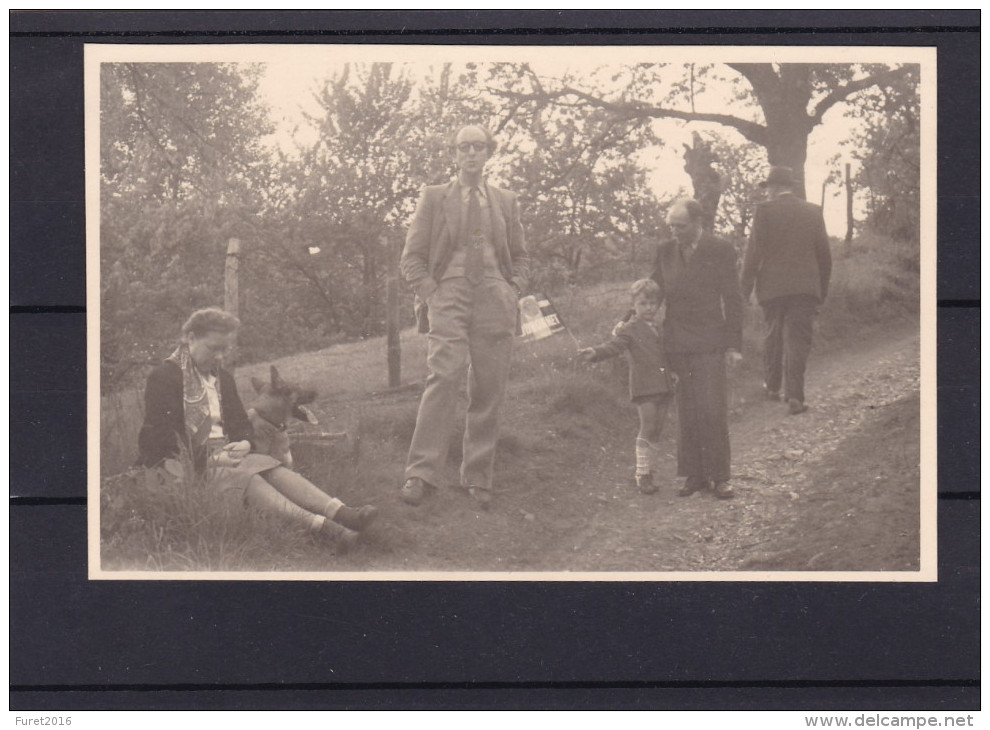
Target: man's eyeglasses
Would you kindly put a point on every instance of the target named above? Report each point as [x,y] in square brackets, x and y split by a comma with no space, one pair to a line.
[466,147]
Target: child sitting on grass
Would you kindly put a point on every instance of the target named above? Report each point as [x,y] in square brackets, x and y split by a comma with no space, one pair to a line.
[649,386]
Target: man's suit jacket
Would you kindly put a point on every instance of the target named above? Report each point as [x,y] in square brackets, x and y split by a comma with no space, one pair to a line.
[788,251]
[704,306]
[436,225]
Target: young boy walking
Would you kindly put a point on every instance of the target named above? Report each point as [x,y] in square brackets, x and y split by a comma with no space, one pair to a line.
[649,386]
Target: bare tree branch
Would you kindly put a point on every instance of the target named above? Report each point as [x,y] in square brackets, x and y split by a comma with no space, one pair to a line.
[630,111]
[137,85]
[846,90]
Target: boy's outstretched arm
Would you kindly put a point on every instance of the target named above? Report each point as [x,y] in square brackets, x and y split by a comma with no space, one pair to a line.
[615,346]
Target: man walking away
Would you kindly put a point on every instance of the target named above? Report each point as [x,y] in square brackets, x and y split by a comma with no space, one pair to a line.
[789,263]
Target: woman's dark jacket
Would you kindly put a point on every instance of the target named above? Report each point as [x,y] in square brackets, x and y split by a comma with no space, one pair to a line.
[164,427]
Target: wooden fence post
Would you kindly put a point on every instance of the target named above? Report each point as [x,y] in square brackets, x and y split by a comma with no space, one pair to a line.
[389,243]
[231,294]
[849,210]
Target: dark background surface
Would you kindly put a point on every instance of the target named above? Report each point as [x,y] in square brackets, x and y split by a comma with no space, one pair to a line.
[77,644]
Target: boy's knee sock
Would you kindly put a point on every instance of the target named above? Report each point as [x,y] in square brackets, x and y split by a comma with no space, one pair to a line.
[644,456]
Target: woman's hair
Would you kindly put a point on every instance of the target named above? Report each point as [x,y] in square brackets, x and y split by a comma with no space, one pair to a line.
[646,287]
[211,319]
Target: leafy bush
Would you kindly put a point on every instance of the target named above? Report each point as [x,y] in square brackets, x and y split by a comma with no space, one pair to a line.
[878,283]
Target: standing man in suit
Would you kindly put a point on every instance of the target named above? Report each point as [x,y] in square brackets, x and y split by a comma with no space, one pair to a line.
[789,262]
[702,333]
[465,257]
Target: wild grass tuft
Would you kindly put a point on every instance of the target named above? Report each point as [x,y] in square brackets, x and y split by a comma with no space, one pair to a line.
[876,285]
[174,520]
[393,423]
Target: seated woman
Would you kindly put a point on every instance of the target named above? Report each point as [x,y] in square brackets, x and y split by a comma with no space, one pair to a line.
[192,405]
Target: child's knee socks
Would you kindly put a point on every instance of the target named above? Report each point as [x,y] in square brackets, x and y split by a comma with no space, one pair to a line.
[644,456]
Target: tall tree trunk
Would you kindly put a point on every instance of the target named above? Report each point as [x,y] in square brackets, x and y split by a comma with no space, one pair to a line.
[707,183]
[790,149]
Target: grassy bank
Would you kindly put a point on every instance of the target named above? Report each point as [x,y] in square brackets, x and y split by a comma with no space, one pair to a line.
[560,416]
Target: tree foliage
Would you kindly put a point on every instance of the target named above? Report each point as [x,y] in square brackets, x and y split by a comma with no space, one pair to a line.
[777,104]
[350,188]
[185,165]
[380,138]
[180,160]
[742,166]
[585,192]
[888,150]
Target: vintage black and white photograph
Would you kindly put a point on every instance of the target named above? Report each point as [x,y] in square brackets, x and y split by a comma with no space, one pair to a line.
[362,312]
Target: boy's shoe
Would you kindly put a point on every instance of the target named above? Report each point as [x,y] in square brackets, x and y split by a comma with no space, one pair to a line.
[356,519]
[646,484]
[795,407]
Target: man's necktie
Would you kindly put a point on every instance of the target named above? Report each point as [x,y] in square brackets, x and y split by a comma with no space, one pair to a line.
[474,264]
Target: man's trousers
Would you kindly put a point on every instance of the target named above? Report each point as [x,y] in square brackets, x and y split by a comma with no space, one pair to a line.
[471,333]
[703,414]
[789,328]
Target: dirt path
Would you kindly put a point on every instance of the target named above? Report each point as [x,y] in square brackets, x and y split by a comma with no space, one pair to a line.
[835,488]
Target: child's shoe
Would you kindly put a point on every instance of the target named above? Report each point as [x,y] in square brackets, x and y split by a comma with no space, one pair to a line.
[646,484]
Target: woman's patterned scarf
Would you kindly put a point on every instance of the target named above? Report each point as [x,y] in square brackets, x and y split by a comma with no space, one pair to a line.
[196,404]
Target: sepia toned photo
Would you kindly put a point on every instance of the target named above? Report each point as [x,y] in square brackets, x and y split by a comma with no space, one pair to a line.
[633,313]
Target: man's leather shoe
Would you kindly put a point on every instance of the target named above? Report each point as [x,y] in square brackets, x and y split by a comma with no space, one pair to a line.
[724,490]
[692,485]
[794,406]
[414,491]
[482,496]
